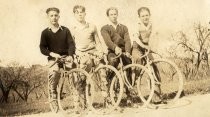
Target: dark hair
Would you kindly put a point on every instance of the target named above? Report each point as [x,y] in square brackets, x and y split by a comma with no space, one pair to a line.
[111,8]
[78,7]
[52,9]
[143,8]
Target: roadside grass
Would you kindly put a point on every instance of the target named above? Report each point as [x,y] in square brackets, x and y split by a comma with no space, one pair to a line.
[194,87]
[191,87]
[18,109]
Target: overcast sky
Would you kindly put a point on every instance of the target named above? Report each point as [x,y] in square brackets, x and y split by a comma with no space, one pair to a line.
[23,20]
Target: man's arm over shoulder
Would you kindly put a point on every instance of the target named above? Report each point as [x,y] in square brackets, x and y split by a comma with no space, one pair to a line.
[127,40]
[107,38]
[43,43]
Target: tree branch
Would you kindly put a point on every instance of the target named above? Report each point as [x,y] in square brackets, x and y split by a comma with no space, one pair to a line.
[19,94]
[188,47]
[35,86]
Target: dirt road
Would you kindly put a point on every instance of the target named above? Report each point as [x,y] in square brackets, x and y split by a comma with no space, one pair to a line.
[191,106]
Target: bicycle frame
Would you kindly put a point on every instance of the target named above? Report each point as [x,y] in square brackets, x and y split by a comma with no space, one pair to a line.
[130,86]
[123,74]
[149,63]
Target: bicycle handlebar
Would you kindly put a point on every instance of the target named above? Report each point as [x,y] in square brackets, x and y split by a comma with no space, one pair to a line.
[144,55]
[92,55]
[156,53]
[148,50]
[95,55]
[62,58]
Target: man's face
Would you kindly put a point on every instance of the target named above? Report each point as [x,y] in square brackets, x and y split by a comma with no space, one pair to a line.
[113,16]
[80,15]
[53,17]
[144,16]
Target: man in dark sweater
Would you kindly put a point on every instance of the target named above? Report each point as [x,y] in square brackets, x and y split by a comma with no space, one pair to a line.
[56,41]
[117,39]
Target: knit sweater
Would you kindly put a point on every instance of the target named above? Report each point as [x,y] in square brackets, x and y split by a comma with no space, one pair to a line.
[116,37]
[60,42]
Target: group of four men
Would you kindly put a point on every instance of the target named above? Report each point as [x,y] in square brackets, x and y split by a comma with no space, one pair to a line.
[57,40]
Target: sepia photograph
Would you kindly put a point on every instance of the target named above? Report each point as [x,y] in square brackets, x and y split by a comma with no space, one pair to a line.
[105,58]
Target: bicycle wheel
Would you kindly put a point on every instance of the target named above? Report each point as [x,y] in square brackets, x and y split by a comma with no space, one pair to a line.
[139,75]
[108,89]
[169,83]
[72,96]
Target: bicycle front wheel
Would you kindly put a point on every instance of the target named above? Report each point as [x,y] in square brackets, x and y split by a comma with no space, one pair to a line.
[108,89]
[72,93]
[141,81]
[169,83]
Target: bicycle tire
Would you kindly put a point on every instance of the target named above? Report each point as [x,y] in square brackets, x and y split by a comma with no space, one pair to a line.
[145,98]
[64,107]
[114,103]
[167,98]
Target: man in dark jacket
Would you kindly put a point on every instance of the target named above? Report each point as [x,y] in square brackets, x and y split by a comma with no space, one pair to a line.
[56,41]
[117,39]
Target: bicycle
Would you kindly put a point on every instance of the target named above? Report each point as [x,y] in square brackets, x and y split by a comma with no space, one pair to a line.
[103,76]
[67,87]
[136,74]
[168,80]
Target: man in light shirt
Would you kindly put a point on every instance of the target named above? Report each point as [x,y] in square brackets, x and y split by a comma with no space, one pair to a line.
[86,41]
[85,35]
[141,45]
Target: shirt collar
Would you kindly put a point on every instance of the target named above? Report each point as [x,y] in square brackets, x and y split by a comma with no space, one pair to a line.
[146,27]
[115,26]
[60,27]
[79,25]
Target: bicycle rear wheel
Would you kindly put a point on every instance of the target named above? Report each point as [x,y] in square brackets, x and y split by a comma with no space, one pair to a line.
[139,76]
[72,91]
[108,89]
[169,83]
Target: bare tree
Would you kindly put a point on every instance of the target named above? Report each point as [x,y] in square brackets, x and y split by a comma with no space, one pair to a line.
[23,81]
[33,78]
[198,46]
[8,76]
